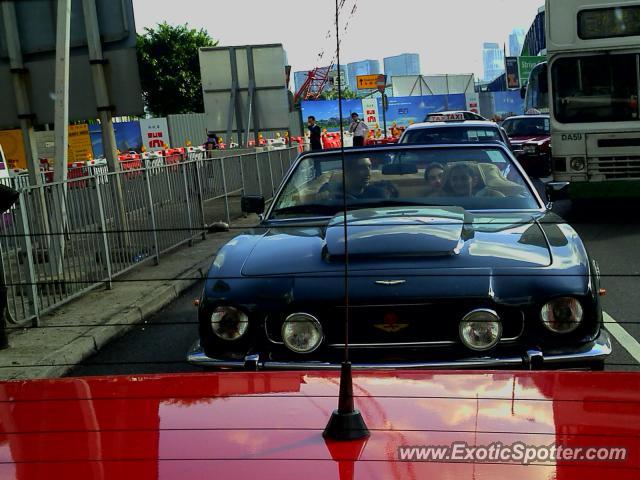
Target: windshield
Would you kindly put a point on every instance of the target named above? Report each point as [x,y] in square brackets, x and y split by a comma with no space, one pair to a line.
[598,88]
[516,127]
[474,179]
[461,134]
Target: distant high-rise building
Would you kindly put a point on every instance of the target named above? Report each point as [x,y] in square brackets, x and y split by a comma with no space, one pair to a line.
[364,67]
[493,61]
[516,40]
[299,78]
[404,64]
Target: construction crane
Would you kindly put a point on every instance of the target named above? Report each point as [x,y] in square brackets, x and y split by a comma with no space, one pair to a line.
[314,84]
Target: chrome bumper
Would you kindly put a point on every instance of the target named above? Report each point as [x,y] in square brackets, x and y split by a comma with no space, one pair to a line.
[599,349]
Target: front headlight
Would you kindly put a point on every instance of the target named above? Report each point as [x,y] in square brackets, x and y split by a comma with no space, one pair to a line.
[229,323]
[302,333]
[481,329]
[530,149]
[562,315]
[577,164]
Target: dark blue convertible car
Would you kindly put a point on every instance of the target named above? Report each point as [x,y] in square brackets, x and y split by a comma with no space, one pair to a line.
[454,261]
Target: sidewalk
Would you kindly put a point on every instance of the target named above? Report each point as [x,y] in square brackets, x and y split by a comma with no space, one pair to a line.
[80,328]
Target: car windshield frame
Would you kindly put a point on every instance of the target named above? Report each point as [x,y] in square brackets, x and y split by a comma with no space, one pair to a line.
[269,216]
[514,120]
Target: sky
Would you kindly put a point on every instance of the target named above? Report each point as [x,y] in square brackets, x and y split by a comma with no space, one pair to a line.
[448,34]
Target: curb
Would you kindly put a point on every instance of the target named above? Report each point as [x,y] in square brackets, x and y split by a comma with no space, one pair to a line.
[63,360]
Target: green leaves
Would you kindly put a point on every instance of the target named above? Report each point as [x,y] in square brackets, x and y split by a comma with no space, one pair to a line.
[170,69]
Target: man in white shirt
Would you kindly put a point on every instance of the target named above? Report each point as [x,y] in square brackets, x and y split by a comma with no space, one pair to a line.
[359,130]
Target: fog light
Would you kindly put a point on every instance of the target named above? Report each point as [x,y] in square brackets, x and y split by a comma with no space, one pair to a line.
[302,333]
[577,164]
[229,323]
[562,315]
[480,329]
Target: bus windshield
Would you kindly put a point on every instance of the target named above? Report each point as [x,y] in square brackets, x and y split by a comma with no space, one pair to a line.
[596,88]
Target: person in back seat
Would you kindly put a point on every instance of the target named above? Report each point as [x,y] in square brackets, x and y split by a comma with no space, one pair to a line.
[463,180]
[434,175]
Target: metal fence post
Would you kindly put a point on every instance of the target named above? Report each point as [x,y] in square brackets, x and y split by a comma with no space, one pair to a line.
[104,240]
[224,189]
[242,175]
[259,176]
[152,215]
[200,199]
[186,196]
[32,286]
[273,187]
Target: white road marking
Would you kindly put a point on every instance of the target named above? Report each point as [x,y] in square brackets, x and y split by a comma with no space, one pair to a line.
[623,337]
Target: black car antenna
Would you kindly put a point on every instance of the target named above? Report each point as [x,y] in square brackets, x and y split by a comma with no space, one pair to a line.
[346,423]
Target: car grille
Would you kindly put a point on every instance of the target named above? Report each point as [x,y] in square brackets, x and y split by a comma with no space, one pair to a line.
[617,167]
[403,325]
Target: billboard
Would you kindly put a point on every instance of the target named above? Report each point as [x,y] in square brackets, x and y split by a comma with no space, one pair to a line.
[402,110]
[13,147]
[370,113]
[128,137]
[327,113]
[36,25]
[155,134]
[232,76]
[420,85]
[526,64]
[513,77]
[407,110]
[79,143]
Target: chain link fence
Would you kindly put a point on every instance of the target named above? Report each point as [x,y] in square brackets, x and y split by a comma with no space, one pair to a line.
[63,239]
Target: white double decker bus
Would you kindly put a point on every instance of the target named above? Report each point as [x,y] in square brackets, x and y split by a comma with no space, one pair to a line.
[590,86]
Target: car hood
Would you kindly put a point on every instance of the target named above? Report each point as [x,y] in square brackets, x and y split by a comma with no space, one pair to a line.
[248,425]
[402,238]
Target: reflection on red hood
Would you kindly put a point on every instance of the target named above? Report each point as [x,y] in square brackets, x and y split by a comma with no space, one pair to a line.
[269,425]
[518,139]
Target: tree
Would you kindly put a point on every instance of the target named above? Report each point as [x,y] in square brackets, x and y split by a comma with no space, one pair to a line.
[170,68]
[333,94]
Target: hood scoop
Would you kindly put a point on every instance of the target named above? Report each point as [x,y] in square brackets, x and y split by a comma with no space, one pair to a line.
[398,232]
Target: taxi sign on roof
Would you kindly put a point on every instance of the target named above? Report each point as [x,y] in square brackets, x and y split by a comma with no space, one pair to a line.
[446,117]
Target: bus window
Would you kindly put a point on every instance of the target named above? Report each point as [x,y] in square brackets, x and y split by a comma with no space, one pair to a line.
[537,94]
[597,88]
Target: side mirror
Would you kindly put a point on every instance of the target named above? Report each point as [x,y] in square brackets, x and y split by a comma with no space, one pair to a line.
[557,191]
[252,204]
[217,227]
[399,169]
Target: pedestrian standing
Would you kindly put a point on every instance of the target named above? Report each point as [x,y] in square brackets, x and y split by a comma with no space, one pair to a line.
[359,130]
[314,133]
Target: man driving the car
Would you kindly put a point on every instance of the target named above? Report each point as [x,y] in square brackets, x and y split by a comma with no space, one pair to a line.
[358,183]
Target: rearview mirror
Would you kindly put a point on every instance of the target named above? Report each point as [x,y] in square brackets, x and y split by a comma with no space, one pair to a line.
[399,169]
[252,204]
[557,191]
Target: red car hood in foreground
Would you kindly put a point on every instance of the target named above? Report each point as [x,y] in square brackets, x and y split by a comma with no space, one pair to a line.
[269,425]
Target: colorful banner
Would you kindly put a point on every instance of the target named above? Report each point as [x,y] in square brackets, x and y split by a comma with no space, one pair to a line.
[155,133]
[327,113]
[79,144]
[128,137]
[513,77]
[526,64]
[13,147]
[406,110]
[370,113]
